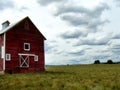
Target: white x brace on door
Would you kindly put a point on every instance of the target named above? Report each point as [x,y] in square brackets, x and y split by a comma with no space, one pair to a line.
[24,60]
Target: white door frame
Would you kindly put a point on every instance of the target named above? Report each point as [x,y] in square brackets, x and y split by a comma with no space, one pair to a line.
[24,59]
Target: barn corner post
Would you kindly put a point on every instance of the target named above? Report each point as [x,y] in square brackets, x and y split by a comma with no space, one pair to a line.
[44,55]
[4,45]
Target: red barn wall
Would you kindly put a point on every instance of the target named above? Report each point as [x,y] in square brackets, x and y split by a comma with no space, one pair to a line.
[15,40]
[1,64]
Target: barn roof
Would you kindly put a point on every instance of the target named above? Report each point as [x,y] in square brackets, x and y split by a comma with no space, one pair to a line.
[13,25]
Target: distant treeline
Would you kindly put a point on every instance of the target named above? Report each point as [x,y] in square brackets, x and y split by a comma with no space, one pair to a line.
[108,62]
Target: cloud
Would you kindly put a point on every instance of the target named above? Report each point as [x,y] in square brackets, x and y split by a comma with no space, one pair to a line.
[75,20]
[47,2]
[104,39]
[114,47]
[116,36]
[4,4]
[81,16]
[88,22]
[73,34]
[85,30]
[77,15]
[93,41]
[99,57]
[117,2]
[50,46]
[115,44]
[23,8]
[69,8]
[77,61]
[77,52]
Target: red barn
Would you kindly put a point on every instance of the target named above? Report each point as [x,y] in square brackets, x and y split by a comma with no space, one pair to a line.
[21,47]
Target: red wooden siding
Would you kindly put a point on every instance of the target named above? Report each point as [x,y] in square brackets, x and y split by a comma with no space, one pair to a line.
[1,39]
[15,39]
[1,64]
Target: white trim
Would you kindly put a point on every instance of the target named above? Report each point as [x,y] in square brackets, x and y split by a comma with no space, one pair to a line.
[4,44]
[8,57]
[28,46]
[36,58]
[22,54]
[2,52]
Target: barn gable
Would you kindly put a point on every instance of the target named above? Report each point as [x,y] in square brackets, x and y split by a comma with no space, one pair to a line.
[25,23]
[22,47]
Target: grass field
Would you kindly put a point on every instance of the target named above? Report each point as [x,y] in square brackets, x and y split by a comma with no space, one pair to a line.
[79,77]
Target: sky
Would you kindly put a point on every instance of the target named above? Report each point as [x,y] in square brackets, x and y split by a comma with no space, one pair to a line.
[77,31]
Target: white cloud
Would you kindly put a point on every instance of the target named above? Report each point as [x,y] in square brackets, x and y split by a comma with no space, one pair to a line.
[87,29]
[6,4]
[117,2]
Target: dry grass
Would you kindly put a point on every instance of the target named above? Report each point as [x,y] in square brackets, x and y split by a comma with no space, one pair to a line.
[79,77]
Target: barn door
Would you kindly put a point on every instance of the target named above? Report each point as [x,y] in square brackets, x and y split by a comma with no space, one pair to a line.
[24,61]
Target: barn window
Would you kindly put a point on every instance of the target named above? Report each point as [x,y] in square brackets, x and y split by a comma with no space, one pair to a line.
[27,46]
[36,58]
[8,57]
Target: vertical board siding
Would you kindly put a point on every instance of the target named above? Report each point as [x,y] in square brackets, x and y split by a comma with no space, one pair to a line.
[1,64]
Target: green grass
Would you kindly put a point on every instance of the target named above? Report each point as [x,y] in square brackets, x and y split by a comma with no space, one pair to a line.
[79,77]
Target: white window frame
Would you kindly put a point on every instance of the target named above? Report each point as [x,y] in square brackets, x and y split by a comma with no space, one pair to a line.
[36,58]
[8,57]
[28,46]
